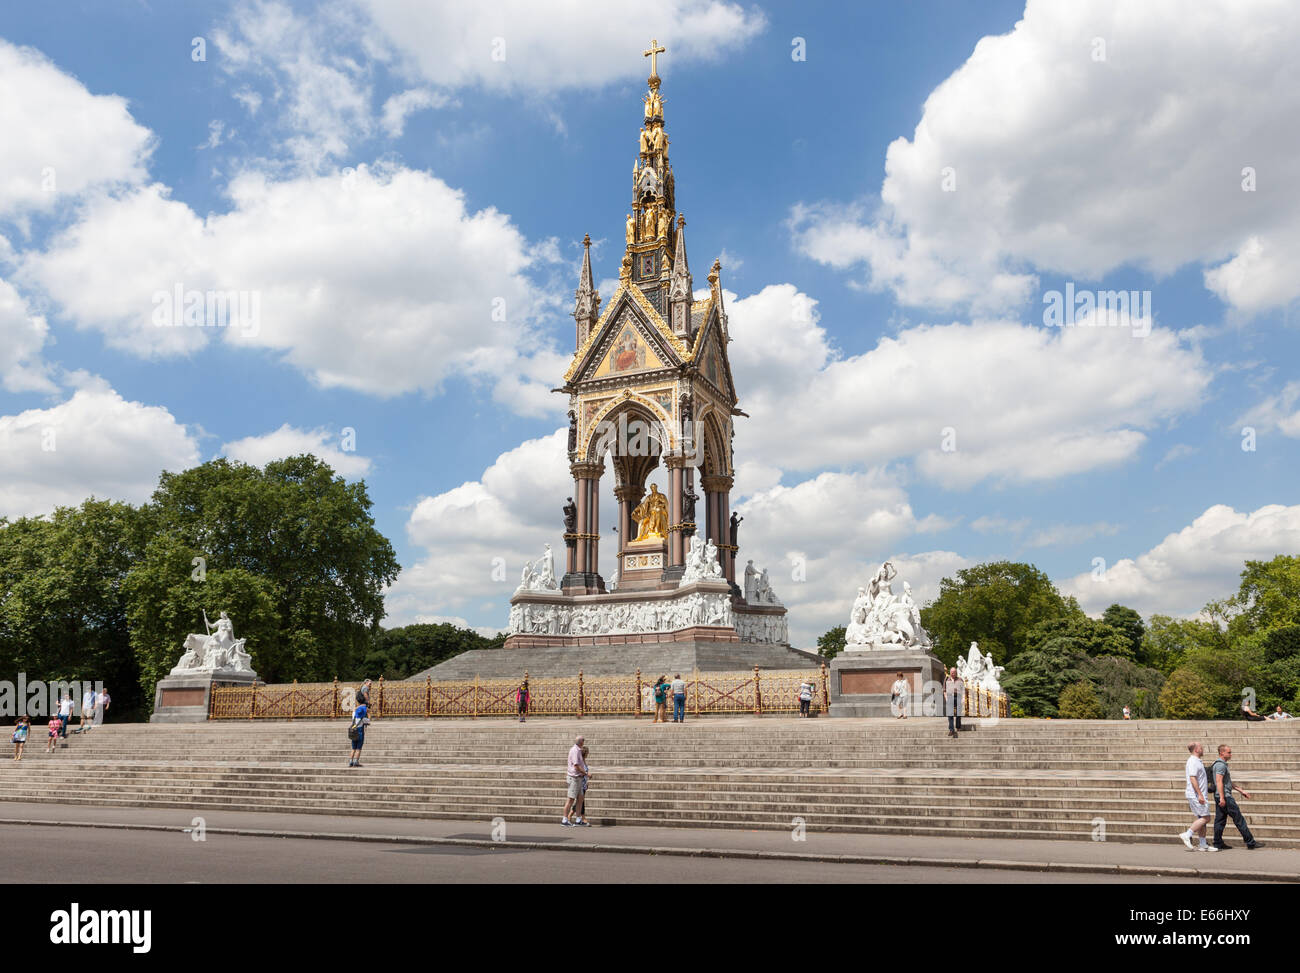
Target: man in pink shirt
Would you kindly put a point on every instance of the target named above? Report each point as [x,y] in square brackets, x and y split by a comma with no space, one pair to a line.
[576,773]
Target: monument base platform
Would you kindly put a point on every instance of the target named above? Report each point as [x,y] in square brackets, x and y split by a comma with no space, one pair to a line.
[861,680]
[186,698]
[663,657]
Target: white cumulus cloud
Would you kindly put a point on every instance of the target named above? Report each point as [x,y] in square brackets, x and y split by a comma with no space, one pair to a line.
[94,443]
[1088,137]
[324,444]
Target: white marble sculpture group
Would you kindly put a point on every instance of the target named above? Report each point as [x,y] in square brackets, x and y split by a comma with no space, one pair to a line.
[978,670]
[758,587]
[539,575]
[216,650]
[881,619]
[702,562]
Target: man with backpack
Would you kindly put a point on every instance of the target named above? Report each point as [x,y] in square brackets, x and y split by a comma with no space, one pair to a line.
[357,732]
[1225,807]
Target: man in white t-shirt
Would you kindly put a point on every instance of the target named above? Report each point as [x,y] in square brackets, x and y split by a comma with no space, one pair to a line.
[66,706]
[1198,798]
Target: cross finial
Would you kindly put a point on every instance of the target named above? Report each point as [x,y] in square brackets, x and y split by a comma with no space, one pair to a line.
[655,50]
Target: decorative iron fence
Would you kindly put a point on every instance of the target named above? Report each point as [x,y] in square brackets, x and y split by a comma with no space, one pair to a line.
[754,692]
[707,693]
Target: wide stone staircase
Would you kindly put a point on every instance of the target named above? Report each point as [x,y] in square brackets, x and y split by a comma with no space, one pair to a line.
[1011,778]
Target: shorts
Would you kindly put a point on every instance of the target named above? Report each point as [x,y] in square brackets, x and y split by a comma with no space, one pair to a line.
[1200,810]
[359,742]
[575,787]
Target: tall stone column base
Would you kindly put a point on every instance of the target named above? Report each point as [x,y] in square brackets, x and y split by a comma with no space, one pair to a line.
[186,698]
[860,681]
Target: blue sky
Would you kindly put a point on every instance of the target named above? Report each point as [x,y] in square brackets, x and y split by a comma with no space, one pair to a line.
[890,212]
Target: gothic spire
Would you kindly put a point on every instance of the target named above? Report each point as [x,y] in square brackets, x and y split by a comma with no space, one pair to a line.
[679,284]
[586,308]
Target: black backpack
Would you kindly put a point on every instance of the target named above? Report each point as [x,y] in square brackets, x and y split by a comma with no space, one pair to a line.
[1209,778]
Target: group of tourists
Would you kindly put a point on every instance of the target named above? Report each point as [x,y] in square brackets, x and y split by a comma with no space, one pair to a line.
[662,690]
[93,707]
[1250,716]
[1216,785]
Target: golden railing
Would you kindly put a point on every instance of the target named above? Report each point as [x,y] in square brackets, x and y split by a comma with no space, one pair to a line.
[757,692]
[982,702]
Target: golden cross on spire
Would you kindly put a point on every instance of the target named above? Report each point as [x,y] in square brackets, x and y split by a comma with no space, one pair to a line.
[655,50]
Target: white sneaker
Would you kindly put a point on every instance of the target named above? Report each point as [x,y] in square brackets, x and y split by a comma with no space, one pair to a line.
[1187,840]
[1207,848]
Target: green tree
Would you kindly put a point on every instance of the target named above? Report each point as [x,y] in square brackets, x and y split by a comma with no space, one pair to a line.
[1036,678]
[1096,638]
[62,605]
[1128,623]
[1122,682]
[1168,641]
[830,644]
[399,653]
[995,604]
[1269,596]
[1079,702]
[162,611]
[1186,696]
[292,545]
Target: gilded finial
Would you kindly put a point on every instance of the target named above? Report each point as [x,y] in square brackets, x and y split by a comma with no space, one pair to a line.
[586,240]
[652,54]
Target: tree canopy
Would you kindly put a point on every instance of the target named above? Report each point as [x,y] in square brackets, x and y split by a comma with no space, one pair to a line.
[108,591]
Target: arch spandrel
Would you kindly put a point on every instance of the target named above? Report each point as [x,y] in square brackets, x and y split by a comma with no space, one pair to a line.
[635,406]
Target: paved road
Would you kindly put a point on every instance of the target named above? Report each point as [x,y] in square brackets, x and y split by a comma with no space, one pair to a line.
[33,853]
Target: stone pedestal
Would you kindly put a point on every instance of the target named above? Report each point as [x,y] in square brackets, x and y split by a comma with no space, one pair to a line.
[185,698]
[641,564]
[860,681]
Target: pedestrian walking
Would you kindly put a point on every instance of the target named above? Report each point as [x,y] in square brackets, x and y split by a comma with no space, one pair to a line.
[357,731]
[954,700]
[679,698]
[1226,806]
[898,696]
[1197,792]
[805,697]
[521,700]
[87,711]
[20,736]
[580,811]
[575,775]
[102,699]
[66,706]
[53,741]
[661,700]
[363,694]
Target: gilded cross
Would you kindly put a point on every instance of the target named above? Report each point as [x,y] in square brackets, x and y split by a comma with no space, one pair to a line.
[655,50]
